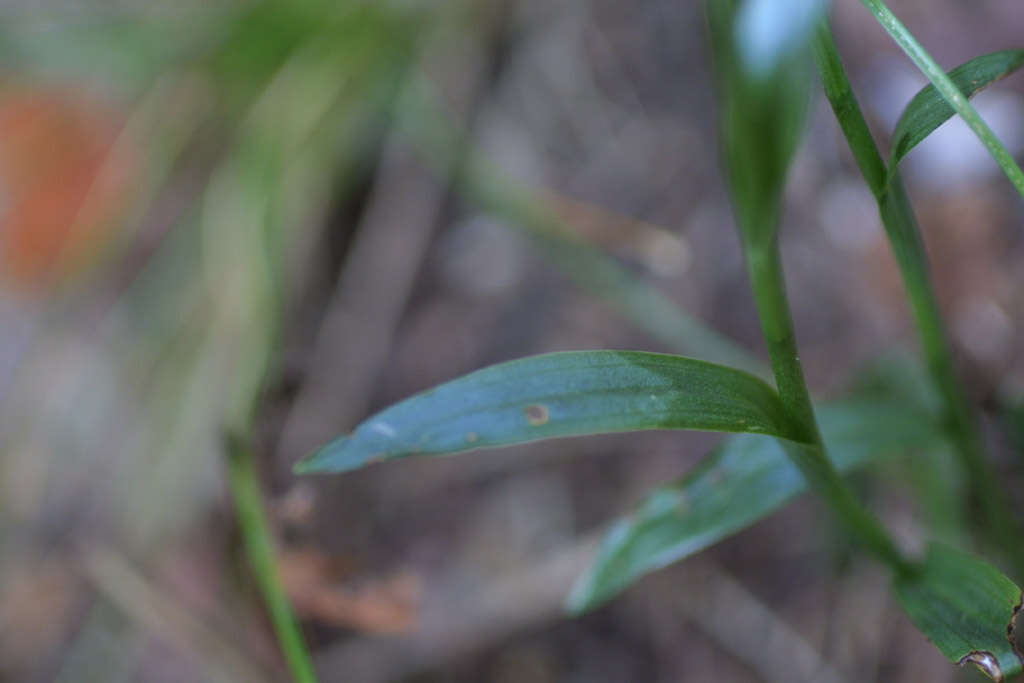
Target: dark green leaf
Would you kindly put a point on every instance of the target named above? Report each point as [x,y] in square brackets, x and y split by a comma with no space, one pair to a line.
[929,110]
[561,394]
[743,480]
[967,609]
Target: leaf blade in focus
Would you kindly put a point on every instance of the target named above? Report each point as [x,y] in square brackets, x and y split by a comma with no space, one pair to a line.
[967,608]
[561,394]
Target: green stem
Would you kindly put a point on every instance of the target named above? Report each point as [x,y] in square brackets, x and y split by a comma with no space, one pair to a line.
[847,110]
[935,73]
[260,551]
[765,269]
[901,227]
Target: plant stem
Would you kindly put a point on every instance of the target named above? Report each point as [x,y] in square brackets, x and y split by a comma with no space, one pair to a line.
[901,227]
[935,73]
[260,551]
[765,268]
[847,110]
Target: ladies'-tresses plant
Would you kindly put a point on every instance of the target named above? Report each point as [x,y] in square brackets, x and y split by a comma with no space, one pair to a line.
[782,444]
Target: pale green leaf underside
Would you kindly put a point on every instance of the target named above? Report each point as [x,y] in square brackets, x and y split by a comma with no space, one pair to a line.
[745,479]
[929,110]
[967,609]
[561,394]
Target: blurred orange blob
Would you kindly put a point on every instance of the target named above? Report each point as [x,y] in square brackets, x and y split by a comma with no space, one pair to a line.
[61,184]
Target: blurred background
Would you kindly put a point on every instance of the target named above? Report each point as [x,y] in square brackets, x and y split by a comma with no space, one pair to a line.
[264,220]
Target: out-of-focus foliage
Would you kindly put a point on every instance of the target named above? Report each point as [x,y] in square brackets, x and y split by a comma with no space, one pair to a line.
[168,172]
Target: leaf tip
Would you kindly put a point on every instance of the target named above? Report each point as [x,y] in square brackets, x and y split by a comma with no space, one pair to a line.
[330,458]
[581,597]
[309,464]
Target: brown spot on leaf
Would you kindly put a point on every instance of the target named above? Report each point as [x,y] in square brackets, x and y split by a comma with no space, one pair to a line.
[985,661]
[536,414]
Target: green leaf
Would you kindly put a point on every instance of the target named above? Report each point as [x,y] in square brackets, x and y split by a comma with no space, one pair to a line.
[967,609]
[929,110]
[743,480]
[561,394]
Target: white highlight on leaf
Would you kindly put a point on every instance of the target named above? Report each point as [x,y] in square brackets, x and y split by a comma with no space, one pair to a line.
[384,428]
[767,31]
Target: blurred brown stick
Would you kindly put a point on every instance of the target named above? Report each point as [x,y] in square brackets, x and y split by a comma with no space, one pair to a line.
[454,623]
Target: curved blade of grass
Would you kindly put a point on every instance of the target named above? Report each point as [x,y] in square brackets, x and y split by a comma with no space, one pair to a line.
[561,394]
[948,89]
[968,609]
[260,551]
[743,480]
[928,109]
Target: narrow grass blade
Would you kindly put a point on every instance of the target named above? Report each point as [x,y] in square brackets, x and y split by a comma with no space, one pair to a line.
[742,481]
[561,394]
[968,609]
[929,110]
[948,89]
[260,551]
